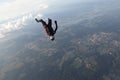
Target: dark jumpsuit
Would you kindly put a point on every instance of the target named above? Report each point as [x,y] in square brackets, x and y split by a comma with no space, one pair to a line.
[48,27]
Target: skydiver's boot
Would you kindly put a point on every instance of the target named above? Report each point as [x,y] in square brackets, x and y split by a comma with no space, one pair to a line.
[38,20]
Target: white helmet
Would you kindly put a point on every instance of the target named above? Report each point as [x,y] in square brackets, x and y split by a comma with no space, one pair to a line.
[52,38]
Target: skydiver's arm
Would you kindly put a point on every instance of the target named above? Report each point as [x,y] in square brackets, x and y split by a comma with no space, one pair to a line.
[56,27]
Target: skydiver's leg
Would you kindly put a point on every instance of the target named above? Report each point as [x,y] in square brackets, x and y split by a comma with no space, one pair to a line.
[41,20]
[49,22]
[37,20]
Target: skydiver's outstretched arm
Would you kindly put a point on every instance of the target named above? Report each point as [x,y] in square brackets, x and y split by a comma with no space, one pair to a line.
[43,22]
[56,27]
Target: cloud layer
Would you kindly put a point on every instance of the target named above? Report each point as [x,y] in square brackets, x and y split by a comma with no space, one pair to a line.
[16,24]
[20,7]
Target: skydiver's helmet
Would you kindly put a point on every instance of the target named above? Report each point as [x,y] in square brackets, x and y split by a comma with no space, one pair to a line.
[52,38]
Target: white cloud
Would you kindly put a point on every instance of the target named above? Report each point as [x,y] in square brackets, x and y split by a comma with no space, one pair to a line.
[20,7]
[45,6]
[16,24]
[2,36]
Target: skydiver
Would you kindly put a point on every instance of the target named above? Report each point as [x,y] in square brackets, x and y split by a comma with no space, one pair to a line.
[48,28]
